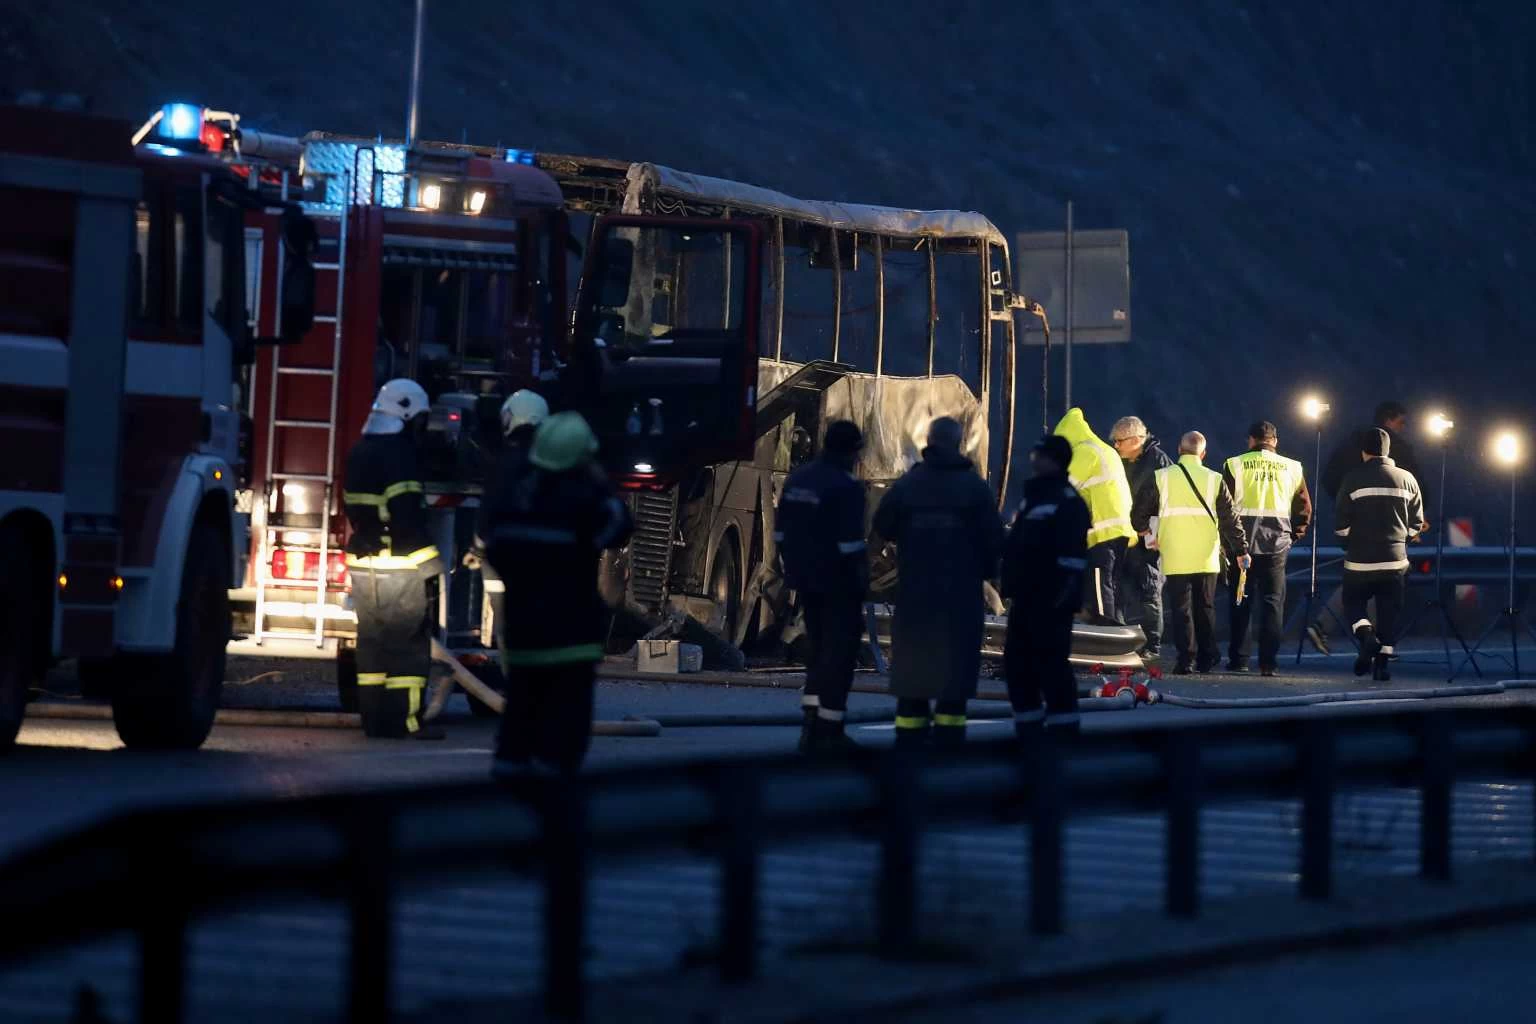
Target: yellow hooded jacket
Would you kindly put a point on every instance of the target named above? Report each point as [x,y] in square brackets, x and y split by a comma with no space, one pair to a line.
[1099,476]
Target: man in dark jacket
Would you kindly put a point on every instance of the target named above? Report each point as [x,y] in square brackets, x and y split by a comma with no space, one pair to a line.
[1043,561]
[820,534]
[1140,596]
[521,415]
[1270,492]
[943,520]
[1391,417]
[550,524]
[1379,511]
[392,563]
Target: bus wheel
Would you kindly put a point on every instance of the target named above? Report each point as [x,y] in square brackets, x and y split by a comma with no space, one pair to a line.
[725,589]
[187,681]
[20,624]
[346,678]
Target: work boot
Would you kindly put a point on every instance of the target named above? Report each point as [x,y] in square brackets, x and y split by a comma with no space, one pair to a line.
[429,731]
[1237,664]
[911,739]
[828,737]
[1381,668]
[807,727]
[1319,636]
[948,737]
[1268,671]
[1369,648]
[1063,723]
[1183,668]
[1027,726]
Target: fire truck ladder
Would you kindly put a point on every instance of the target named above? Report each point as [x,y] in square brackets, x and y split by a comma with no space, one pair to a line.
[275,477]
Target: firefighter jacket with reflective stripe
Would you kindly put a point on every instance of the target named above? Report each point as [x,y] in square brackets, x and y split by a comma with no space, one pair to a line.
[1379,510]
[1190,540]
[1099,477]
[1046,550]
[1270,493]
[385,504]
[820,530]
[545,533]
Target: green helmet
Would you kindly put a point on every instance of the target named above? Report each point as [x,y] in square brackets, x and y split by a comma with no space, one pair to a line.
[564,441]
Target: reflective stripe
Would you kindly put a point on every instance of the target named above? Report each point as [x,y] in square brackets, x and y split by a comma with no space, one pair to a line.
[1342,533]
[1386,649]
[413,685]
[1375,566]
[1072,563]
[1040,512]
[1260,513]
[1177,513]
[536,534]
[610,530]
[415,560]
[370,679]
[1381,492]
[363,498]
[1362,624]
[494,586]
[1093,481]
[810,700]
[1100,524]
[1029,717]
[949,721]
[911,722]
[850,547]
[394,490]
[553,655]
[829,715]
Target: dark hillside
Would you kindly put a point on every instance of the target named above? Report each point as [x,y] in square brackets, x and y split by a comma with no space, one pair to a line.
[1333,194]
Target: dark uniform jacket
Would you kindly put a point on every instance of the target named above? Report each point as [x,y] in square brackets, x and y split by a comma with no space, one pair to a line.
[1047,546]
[386,506]
[944,522]
[1143,472]
[821,532]
[1346,457]
[1379,509]
[545,533]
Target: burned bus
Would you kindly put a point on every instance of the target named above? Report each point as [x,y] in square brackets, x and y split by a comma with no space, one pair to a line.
[713,345]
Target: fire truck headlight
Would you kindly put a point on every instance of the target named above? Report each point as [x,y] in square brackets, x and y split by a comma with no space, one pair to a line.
[181,121]
[431,196]
[644,467]
[476,201]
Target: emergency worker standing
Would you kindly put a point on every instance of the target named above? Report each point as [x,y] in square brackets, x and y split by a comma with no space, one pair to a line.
[943,520]
[1379,510]
[1270,492]
[1195,523]
[392,561]
[1139,588]
[1098,476]
[521,415]
[549,522]
[1043,562]
[820,533]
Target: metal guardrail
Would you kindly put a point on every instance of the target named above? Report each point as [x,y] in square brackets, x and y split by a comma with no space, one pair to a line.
[152,872]
[1486,565]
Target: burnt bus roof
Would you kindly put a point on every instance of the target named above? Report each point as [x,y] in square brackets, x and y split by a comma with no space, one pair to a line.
[601,185]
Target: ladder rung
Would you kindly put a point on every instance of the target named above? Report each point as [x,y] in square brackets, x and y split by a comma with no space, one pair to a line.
[311,424]
[319,477]
[307,371]
[324,318]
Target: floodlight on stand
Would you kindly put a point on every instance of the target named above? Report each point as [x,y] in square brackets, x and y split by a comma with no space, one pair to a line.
[1506,447]
[1312,407]
[1438,425]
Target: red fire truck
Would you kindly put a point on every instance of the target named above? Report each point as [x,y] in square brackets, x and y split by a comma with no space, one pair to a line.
[122,330]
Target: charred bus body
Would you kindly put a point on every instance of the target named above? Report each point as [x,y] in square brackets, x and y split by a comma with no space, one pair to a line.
[884,316]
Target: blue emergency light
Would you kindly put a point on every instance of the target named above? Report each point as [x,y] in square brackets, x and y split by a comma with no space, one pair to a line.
[520,156]
[182,121]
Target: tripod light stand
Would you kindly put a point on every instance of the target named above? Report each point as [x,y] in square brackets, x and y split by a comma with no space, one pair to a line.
[1507,451]
[1439,427]
[1314,409]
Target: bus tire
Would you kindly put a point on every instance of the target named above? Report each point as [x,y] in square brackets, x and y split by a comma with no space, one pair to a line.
[725,588]
[21,623]
[189,679]
[346,678]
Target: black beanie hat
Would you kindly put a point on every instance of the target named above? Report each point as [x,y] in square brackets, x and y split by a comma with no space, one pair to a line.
[1375,441]
[1056,448]
[843,437]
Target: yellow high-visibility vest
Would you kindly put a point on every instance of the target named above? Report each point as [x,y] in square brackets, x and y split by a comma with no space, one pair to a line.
[1187,535]
[1099,477]
[1264,484]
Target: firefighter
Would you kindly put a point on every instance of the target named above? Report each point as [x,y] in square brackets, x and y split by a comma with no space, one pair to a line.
[1196,522]
[521,415]
[1043,562]
[1270,492]
[1139,590]
[943,520]
[820,533]
[393,564]
[1098,476]
[1380,509]
[549,521]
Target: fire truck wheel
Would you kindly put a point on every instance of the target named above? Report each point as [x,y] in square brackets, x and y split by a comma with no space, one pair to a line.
[346,678]
[190,679]
[489,673]
[725,589]
[21,604]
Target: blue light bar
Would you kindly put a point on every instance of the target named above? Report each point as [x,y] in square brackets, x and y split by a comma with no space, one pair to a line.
[520,156]
[181,121]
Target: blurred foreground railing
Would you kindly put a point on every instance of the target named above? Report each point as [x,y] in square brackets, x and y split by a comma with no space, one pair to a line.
[153,872]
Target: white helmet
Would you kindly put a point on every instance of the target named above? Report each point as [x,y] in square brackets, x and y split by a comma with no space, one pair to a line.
[399,401]
[523,409]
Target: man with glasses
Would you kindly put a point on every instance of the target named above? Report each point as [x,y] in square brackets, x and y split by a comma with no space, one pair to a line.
[1140,582]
